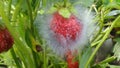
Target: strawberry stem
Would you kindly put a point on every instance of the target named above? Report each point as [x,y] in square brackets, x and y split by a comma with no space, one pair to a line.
[65,3]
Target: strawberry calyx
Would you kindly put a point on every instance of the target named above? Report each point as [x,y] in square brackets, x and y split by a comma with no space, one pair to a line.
[64,11]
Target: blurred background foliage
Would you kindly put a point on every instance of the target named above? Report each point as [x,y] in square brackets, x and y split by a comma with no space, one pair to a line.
[31,51]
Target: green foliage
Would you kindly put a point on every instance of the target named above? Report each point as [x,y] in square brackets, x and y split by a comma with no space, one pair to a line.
[86,55]
[116,49]
[19,16]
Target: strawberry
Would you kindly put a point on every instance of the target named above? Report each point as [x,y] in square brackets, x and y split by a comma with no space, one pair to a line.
[69,59]
[6,40]
[67,28]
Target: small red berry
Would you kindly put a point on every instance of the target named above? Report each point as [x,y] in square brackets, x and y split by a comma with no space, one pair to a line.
[6,40]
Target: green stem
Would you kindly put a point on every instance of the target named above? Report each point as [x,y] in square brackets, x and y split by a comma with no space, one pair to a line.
[36,9]
[107,60]
[65,3]
[94,7]
[101,25]
[16,11]
[9,7]
[102,41]
[17,61]
[95,43]
[30,11]
[30,17]
[110,59]
[45,64]
[44,2]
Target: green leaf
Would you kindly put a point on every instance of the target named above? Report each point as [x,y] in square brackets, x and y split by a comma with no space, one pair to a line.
[113,5]
[118,1]
[64,12]
[30,40]
[85,57]
[108,60]
[113,13]
[6,59]
[106,2]
[100,66]
[114,66]
[116,49]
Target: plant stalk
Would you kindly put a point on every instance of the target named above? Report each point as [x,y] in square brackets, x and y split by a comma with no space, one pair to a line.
[102,41]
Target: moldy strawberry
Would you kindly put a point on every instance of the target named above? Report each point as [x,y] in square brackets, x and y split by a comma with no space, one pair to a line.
[67,30]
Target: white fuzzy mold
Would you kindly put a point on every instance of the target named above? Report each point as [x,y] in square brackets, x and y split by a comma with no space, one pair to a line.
[43,24]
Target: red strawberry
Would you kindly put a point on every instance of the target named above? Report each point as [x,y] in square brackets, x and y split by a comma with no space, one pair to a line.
[71,64]
[67,28]
[6,40]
